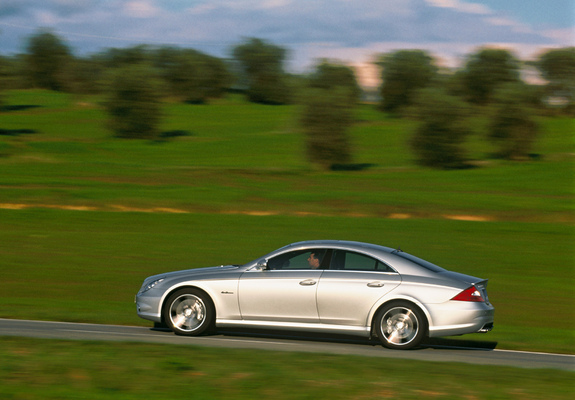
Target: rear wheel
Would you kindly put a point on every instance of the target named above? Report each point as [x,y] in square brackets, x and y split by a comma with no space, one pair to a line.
[400,325]
[189,312]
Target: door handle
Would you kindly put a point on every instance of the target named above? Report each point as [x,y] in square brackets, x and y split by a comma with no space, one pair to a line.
[308,282]
[375,284]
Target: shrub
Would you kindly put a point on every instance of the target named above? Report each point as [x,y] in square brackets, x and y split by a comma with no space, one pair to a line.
[134,104]
[512,128]
[326,116]
[438,139]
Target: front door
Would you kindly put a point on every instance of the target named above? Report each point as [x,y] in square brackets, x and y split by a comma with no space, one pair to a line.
[285,292]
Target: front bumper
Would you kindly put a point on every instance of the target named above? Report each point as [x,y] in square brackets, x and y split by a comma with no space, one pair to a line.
[148,307]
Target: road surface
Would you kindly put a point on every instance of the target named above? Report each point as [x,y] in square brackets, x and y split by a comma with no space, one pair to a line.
[438,350]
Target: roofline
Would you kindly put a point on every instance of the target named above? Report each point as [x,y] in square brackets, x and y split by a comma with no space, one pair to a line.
[337,243]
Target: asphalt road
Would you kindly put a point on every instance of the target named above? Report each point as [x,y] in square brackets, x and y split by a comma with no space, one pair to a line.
[439,350]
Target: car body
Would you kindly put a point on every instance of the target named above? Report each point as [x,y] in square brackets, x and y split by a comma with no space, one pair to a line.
[330,286]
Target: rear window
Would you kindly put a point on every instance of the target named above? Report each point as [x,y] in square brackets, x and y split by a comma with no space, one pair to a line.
[422,263]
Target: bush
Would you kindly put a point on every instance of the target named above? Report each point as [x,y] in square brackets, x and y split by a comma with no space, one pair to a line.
[438,140]
[134,103]
[326,116]
[511,126]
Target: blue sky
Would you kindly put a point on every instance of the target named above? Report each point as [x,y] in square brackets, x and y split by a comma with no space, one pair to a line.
[353,31]
[539,14]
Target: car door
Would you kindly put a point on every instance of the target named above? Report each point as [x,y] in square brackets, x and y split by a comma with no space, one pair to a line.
[354,283]
[284,292]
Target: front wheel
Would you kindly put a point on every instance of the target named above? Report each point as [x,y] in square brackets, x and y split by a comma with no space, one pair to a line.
[189,312]
[400,325]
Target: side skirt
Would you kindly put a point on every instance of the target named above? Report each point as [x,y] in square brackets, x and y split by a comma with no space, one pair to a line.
[363,331]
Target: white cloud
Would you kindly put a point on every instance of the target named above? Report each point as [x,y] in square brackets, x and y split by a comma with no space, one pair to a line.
[472,8]
[140,9]
[275,3]
[563,37]
[512,24]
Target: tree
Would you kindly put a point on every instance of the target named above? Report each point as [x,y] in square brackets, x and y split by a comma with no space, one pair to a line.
[184,71]
[438,139]
[134,103]
[218,77]
[403,73]
[326,116]
[329,75]
[261,65]
[512,127]
[487,69]
[116,58]
[86,76]
[46,60]
[10,73]
[192,75]
[558,68]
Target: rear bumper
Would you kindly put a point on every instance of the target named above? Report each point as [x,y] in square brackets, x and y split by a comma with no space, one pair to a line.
[453,319]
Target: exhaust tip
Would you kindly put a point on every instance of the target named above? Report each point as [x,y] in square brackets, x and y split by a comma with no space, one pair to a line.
[486,328]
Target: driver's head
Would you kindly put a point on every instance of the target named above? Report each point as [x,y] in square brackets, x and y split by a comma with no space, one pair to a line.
[314,260]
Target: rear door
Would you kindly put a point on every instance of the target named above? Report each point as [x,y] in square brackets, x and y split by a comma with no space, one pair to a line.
[354,283]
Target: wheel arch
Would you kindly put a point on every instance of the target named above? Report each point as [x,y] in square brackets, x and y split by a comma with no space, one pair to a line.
[397,299]
[176,288]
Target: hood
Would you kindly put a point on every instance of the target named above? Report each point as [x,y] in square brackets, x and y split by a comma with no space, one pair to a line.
[192,272]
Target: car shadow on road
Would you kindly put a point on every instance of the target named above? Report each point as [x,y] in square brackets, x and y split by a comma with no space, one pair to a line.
[300,336]
[457,344]
[439,343]
[443,343]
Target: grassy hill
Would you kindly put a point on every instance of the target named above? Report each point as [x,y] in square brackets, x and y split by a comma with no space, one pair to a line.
[241,157]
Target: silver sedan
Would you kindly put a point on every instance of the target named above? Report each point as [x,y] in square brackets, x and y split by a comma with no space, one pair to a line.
[331,286]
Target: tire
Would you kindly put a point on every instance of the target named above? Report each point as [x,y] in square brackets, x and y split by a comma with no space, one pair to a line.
[400,325]
[189,312]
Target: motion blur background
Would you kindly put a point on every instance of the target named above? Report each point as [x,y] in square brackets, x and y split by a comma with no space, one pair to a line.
[138,137]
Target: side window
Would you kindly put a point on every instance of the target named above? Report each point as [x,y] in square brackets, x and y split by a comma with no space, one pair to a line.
[348,260]
[301,259]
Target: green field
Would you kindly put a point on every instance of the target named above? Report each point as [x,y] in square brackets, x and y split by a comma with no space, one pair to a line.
[48,369]
[241,157]
[85,217]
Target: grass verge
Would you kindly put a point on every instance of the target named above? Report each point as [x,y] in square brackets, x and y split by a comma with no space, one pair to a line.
[53,369]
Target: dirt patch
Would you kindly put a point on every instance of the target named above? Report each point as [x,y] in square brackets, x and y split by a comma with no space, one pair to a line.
[399,216]
[169,210]
[13,206]
[477,218]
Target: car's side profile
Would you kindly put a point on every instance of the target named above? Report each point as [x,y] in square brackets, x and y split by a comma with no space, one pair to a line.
[323,286]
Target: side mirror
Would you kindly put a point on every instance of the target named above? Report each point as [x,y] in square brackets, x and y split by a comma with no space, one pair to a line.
[263,265]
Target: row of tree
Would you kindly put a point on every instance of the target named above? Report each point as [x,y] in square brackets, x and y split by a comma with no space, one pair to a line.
[136,79]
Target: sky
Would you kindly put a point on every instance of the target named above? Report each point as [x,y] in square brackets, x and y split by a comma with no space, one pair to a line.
[352,31]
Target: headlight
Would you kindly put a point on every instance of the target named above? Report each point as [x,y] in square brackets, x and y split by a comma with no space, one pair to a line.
[150,285]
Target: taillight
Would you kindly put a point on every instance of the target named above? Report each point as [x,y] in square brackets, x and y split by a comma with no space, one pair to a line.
[470,294]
